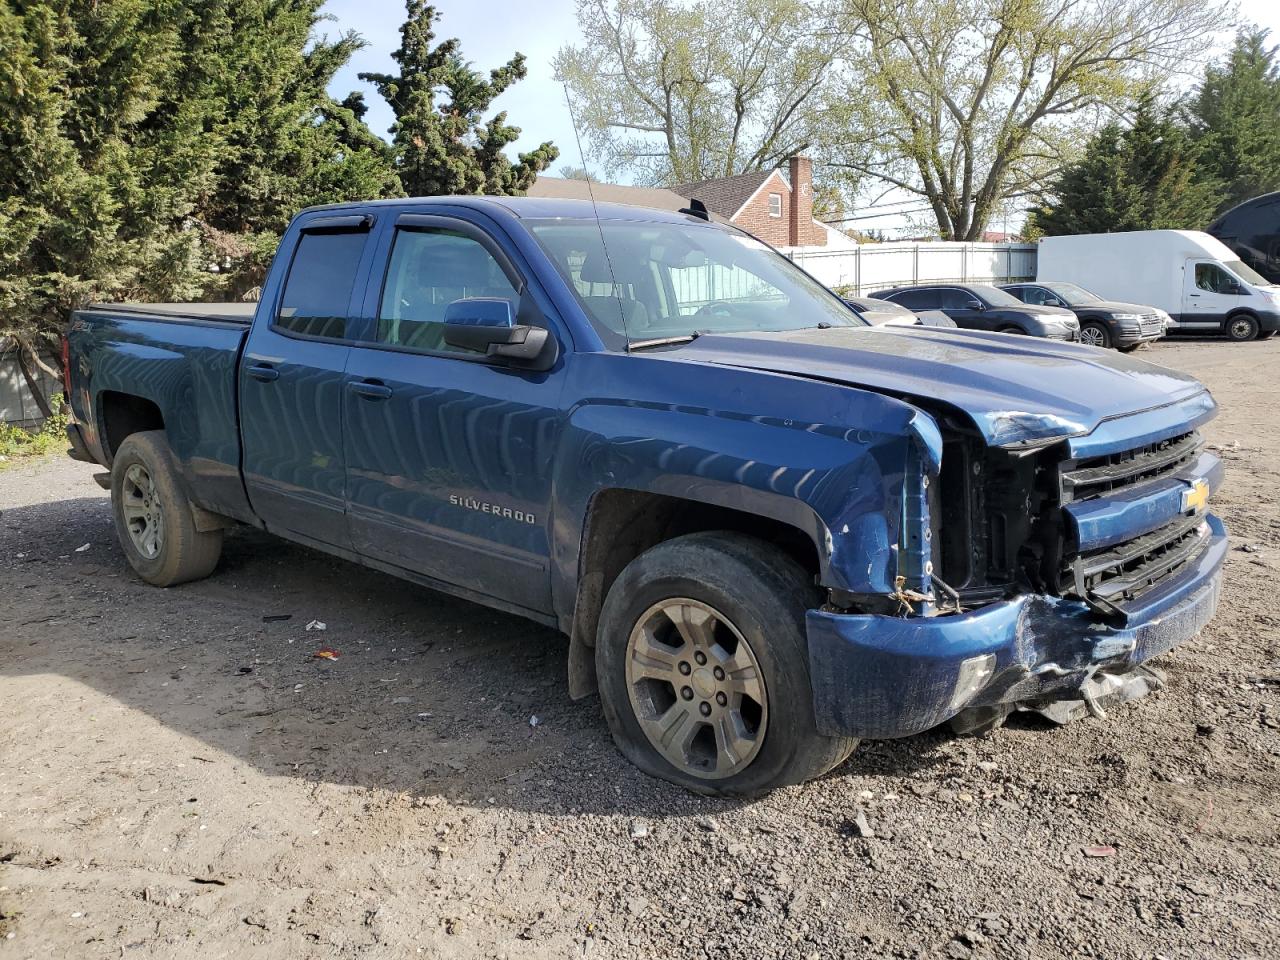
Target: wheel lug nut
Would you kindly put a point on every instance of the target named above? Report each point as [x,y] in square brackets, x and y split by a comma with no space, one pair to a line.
[700,657]
[686,692]
[721,699]
[719,673]
[685,668]
[704,708]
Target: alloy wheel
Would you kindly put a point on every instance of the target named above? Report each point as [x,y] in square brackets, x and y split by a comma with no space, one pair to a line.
[1092,336]
[696,688]
[143,516]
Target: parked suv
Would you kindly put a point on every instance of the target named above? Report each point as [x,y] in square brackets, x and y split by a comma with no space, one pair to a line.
[979,306]
[1103,323]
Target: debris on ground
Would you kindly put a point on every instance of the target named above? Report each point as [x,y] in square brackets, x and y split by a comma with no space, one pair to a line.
[317,625]
[277,617]
[326,653]
[82,549]
[1098,852]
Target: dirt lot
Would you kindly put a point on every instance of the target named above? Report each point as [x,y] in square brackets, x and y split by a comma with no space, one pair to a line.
[179,778]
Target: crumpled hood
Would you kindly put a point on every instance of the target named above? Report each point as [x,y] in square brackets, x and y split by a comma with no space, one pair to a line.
[1015,389]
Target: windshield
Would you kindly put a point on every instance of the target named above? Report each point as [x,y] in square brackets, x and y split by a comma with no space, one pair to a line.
[995,297]
[1076,296]
[1246,273]
[650,280]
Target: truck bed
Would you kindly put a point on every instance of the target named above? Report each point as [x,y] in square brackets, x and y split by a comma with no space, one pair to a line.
[240,313]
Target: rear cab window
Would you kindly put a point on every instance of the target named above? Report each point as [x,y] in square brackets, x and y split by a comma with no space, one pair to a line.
[318,289]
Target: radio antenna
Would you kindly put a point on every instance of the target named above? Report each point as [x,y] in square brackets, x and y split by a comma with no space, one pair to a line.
[604,245]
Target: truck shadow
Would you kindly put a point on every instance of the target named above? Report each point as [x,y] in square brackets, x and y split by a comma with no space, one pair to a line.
[427,694]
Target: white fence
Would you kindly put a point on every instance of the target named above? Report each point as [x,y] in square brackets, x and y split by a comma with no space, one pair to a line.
[17,406]
[869,267]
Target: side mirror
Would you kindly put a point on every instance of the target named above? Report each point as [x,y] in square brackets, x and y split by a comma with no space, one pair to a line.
[974,305]
[487,325]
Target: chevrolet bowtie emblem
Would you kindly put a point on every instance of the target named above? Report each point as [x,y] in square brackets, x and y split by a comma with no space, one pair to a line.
[1195,499]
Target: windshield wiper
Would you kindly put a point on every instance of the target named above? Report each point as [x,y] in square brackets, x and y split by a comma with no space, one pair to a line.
[663,341]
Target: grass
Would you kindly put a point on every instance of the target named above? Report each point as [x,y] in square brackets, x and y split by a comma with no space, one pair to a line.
[17,444]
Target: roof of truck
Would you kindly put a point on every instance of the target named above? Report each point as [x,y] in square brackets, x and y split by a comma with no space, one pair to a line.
[532,208]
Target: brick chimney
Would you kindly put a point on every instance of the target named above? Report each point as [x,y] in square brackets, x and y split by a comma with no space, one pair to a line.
[800,227]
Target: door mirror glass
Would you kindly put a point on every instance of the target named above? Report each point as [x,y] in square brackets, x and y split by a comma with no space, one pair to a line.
[973,305]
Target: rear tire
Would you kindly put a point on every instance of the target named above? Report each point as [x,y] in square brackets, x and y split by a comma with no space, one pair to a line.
[1242,328]
[1095,334]
[675,616]
[154,520]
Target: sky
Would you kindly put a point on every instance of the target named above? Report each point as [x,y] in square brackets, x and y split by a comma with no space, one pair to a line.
[492,30]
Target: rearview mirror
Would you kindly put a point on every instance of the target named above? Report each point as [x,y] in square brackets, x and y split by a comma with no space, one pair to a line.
[487,325]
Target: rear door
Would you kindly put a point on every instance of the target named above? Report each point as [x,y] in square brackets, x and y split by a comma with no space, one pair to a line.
[291,383]
[449,455]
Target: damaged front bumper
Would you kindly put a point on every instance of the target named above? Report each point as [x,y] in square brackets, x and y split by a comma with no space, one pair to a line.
[878,677]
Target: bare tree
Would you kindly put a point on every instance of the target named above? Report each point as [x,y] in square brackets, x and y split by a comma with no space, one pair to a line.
[675,92]
[971,103]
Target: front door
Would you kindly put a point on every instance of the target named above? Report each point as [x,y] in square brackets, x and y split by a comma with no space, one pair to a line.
[291,389]
[959,305]
[1209,294]
[449,455]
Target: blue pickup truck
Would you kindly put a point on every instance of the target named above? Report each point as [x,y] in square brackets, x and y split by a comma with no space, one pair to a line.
[767,528]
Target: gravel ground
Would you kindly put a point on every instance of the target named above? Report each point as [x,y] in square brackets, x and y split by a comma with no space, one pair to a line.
[181,778]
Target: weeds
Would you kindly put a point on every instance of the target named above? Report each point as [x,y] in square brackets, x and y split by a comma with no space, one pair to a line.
[19,444]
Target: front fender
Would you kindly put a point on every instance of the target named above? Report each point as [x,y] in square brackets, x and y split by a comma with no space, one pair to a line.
[827,459]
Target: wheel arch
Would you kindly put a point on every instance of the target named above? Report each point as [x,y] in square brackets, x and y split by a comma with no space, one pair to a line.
[623,523]
[120,414]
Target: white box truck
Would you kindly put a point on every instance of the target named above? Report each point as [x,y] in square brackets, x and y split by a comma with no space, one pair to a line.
[1194,278]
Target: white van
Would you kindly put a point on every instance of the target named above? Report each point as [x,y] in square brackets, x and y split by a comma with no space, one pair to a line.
[1195,279]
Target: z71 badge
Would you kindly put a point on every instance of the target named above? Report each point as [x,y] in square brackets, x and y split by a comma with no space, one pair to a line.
[481,506]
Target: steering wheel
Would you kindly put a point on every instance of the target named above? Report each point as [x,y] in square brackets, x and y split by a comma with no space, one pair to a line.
[716,309]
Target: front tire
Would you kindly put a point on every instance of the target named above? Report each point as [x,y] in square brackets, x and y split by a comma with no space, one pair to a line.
[153,517]
[704,669]
[1242,328]
[1095,334]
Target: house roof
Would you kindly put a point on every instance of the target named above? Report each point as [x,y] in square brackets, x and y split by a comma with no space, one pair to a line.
[728,195]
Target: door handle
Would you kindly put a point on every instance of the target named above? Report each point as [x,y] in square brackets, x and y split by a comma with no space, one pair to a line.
[264,372]
[369,389]
[1193,294]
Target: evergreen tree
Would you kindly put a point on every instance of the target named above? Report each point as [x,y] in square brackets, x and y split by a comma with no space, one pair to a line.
[1145,177]
[1235,119]
[154,149]
[447,147]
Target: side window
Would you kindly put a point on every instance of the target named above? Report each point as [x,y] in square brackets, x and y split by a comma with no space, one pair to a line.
[1036,296]
[1211,277]
[317,293]
[952,299]
[917,299]
[429,270]
[775,204]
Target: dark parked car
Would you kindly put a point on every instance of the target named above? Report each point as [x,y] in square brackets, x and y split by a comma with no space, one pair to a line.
[1103,323]
[979,306]
[1252,231]
[886,313]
